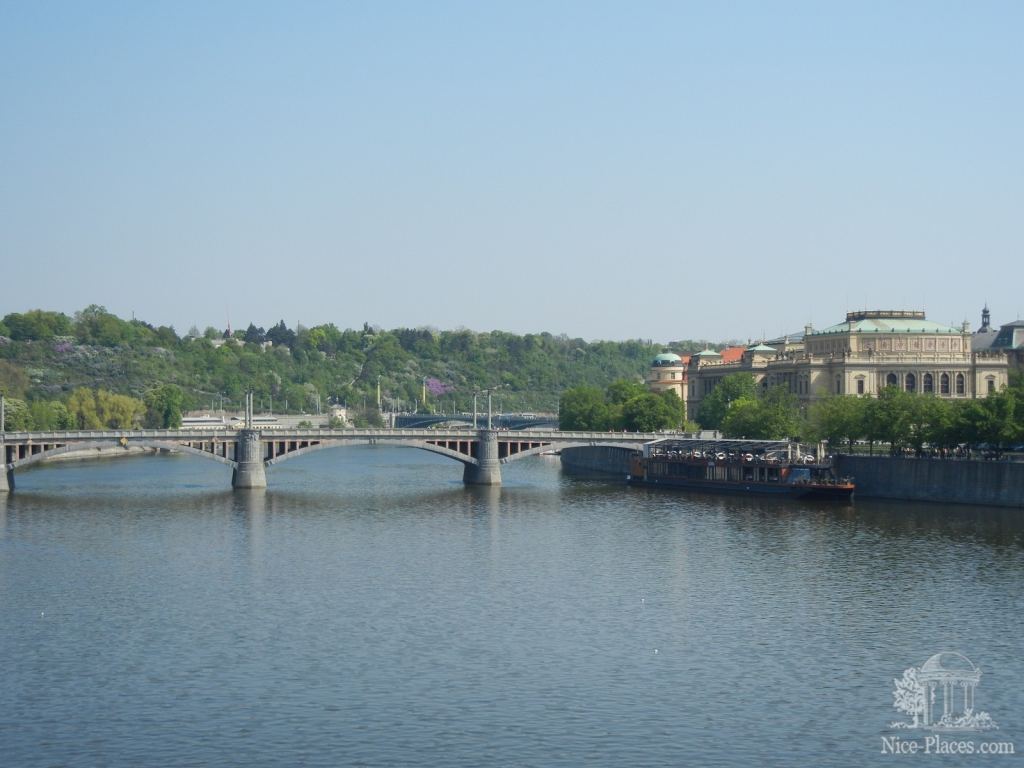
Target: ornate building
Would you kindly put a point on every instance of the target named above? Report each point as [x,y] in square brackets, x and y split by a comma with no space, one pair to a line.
[867,352]
[1009,338]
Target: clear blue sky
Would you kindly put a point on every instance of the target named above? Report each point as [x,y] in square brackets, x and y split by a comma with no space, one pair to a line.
[606,170]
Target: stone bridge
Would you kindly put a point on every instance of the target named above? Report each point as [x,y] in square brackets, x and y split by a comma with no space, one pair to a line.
[250,451]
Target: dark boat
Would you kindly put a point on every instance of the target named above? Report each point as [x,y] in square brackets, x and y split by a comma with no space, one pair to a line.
[773,467]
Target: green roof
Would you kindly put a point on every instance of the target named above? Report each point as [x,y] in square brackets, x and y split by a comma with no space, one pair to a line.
[887,325]
[709,353]
[667,357]
[761,348]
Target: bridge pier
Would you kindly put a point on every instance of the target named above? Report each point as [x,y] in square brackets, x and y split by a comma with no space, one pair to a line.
[6,479]
[487,470]
[249,470]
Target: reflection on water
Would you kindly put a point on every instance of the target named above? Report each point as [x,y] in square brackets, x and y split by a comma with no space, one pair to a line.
[368,609]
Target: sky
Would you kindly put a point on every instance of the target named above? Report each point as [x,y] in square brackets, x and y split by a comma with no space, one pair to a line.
[607,170]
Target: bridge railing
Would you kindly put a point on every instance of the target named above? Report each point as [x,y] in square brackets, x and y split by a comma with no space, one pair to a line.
[57,436]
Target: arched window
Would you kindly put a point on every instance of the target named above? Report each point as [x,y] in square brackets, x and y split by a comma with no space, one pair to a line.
[911,382]
[960,388]
[892,380]
[944,384]
[927,384]
[990,382]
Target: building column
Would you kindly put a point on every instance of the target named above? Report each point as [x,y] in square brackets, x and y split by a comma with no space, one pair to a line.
[249,470]
[926,717]
[487,470]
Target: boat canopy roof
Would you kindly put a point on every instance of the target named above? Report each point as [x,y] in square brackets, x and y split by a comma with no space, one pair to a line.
[690,446]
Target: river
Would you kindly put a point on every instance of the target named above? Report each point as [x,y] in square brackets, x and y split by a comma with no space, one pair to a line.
[369,610]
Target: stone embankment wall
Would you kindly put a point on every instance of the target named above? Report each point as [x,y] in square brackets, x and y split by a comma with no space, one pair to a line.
[603,460]
[996,483]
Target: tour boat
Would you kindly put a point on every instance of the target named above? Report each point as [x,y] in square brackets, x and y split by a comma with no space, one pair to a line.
[773,467]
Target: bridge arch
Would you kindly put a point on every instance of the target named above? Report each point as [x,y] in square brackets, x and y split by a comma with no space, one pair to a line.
[423,446]
[167,445]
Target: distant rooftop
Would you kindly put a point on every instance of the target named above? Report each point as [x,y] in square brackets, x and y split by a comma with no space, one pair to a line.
[887,321]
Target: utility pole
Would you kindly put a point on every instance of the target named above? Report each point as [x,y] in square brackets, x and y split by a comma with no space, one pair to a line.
[3,415]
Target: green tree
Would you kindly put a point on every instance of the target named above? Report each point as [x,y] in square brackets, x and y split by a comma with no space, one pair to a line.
[50,415]
[889,418]
[650,412]
[13,380]
[163,407]
[733,387]
[17,417]
[82,409]
[584,409]
[94,325]
[37,325]
[118,411]
[838,419]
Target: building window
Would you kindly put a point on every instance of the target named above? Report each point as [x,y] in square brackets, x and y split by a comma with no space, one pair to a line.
[991,383]
[911,382]
[960,389]
[927,384]
[839,386]
[944,384]
[891,380]
[860,386]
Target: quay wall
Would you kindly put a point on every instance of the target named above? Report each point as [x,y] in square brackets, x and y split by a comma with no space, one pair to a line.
[995,483]
[598,459]
[989,483]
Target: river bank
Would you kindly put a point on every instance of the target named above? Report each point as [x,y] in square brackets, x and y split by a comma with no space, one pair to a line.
[942,481]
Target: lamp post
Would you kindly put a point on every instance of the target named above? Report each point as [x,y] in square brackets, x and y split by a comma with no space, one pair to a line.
[3,415]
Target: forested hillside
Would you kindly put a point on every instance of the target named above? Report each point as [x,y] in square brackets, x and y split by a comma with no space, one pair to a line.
[47,357]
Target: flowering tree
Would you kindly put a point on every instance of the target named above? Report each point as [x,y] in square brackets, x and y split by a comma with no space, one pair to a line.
[436,387]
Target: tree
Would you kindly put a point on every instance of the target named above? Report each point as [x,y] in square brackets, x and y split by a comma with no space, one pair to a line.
[908,694]
[94,325]
[13,380]
[37,325]
[50,414]
[82,409]
[888,418]
[838,419]
[118,411]
[650,412]
[773,416]
[163,407]
[17,417]
[254,335]
[584,409]
[732,387]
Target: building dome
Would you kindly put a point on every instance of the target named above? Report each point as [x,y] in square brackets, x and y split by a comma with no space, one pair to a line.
[667,358]
[949,665]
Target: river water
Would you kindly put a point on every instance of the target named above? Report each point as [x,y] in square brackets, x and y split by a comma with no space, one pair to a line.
[369,610]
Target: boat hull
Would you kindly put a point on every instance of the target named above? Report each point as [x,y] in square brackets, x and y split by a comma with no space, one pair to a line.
[838,491]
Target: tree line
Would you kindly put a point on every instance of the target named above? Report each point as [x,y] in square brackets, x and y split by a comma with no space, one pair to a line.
[895,418]
[46,356]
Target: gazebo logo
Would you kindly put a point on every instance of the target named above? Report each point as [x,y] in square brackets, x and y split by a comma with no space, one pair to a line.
[939,695]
